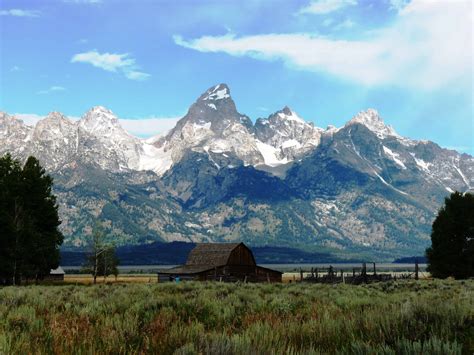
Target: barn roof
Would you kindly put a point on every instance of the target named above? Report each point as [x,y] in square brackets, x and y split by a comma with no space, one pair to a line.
[58,271]
[211,254]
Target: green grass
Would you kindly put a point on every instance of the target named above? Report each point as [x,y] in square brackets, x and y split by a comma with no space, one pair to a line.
[424,317]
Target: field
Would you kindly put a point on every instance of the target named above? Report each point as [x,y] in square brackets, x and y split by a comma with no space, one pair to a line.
[403,317]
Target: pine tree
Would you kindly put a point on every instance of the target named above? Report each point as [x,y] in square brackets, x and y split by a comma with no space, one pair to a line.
[44,237]
[452,237]
[29,235]
[10,221]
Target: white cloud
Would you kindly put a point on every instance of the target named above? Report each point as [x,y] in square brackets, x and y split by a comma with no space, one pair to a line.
[106,61]
[29,119]
[51,90]
[144,127]
[112,62]
[147,127]
[15,68]
[20,13]
[320,7]
[427,46]
[137,75]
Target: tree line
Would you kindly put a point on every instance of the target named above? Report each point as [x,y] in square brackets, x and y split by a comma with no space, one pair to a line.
[29,227]
[29,221]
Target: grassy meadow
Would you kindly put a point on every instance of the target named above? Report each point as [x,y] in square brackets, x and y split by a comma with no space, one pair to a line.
[402,317]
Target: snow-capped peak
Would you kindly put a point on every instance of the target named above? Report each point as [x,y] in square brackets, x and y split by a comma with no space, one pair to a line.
[218,92]
[101,112]
[55,117]
[99,120]
[372,120]
[288,114]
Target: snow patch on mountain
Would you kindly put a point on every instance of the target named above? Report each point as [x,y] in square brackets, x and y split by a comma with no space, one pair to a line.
[218,93]
[394,156]
[270,154]
[421,163]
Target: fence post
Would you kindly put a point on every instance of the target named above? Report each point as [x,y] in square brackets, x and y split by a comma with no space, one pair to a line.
[416,270]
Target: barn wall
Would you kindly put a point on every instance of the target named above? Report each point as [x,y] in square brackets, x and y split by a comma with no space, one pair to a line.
[241,256]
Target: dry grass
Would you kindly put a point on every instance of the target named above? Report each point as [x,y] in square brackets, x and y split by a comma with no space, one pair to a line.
[132,278]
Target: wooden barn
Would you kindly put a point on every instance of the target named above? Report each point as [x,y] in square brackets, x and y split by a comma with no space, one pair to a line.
[221,262]
[55,275]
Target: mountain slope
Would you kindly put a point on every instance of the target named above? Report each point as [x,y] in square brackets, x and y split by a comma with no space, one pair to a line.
[358,189]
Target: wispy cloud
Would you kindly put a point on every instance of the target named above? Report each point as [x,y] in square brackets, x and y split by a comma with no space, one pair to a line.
[398,4]
[147,127]
[112,62]
[107,61]
[15,68]
[137,75]
[52,89]
[429,45]
[344,25]
[321,7]
[20,13]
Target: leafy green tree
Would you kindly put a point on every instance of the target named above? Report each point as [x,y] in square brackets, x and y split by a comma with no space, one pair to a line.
[108,262]
[29,221]
[452,238]
[101,259]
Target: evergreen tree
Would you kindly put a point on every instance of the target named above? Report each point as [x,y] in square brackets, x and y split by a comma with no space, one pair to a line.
[44,237]
[452,238]
[29,235]
[10,177]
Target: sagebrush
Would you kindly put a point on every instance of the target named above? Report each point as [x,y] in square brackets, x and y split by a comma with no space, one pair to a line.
[409,317]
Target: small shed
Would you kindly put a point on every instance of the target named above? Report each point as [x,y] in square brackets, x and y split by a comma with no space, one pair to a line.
[221,262]
[56,274]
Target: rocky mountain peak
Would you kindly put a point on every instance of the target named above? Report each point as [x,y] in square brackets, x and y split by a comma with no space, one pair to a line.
[214,110]
[100,120]
[54,126]
[371,119]
[287,114]
[56,118]
[11,125]
[216,93]
[287,111]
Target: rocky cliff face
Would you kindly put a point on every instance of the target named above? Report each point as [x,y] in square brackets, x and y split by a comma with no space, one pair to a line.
[358,189]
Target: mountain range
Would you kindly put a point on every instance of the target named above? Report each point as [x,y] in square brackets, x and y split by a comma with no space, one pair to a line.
[360,189]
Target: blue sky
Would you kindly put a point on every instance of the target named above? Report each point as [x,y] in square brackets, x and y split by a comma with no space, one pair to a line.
[326,59]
